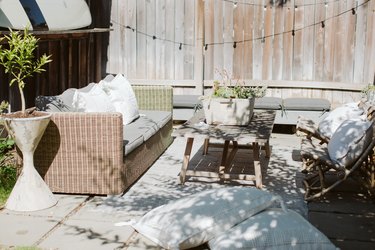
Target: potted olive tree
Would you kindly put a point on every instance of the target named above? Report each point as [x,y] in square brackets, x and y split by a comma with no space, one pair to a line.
[231,101]
[30,192]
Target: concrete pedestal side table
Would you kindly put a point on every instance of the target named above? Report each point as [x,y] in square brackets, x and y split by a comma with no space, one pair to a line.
[30,193]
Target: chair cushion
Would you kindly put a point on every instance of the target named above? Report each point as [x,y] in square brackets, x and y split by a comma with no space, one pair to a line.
[95,100]
[272,229]
[143,128]
[312,104]
[334,119]
[195,219]
[349,141]
[271,103]
[185,101]
[122,97]
[159,117]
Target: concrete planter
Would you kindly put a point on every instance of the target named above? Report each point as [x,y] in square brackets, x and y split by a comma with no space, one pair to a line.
[228,111]
[30,192]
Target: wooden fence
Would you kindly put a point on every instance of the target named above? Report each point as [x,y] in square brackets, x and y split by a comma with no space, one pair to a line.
[183,42]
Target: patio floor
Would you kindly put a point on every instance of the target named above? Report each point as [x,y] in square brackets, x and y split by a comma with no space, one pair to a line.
[86,222]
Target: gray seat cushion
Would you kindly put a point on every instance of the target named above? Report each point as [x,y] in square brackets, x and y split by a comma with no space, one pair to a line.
[271,103]
[185,101]
[143,128]
[312,104]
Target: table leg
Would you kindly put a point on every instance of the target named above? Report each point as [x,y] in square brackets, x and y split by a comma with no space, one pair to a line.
[257,168]
[205,147]
[268,149]
[232,154]
[185,163]
[224,157]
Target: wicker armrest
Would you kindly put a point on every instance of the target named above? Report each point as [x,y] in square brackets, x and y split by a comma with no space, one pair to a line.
[306,125]
[310,129]
[82,152]
[154,97]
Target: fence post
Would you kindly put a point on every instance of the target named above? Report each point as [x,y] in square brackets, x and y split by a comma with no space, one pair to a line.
[199,41]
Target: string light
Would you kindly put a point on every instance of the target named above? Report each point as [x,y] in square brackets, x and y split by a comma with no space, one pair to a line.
[236,3]
[128,27]
[154,37]
[293,31]
[322,23]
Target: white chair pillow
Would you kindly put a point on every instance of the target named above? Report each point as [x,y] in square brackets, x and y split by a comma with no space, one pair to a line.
[349,141]
[272,229]
[334,119]
[122,97]
[193,220]
[95,100]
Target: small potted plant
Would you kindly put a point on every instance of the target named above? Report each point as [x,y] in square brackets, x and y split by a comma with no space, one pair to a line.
[231,101]
[26,127]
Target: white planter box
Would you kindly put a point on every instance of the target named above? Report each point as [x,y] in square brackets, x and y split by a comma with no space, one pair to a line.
[228,111]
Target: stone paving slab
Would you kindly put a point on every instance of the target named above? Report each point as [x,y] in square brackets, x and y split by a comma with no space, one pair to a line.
[27,228]
[87,234]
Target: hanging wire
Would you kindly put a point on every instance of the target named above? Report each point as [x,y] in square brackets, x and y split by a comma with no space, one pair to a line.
[282,4]
[154,37]
[293,31]
[262,38]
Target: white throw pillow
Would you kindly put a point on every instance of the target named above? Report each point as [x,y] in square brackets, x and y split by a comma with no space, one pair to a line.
[95,100]
[272,229]
[193,220]
[122,97]
[349,141]
[333,120]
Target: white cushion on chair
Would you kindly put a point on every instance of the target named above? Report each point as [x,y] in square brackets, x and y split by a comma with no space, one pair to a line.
[334,119]
[349,141]
[122,97]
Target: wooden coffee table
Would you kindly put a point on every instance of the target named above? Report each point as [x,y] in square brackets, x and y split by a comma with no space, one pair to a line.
[256,136]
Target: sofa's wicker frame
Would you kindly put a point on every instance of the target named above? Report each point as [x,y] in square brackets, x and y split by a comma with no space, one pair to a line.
[84,152]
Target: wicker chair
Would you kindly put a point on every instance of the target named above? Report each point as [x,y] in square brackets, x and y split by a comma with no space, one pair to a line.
[311,131]
[319,165]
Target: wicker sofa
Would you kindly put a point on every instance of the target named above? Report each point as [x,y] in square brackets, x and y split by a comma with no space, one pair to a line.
[94,153]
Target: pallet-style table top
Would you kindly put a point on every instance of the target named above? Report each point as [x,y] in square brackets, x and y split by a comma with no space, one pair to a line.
[259,129]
